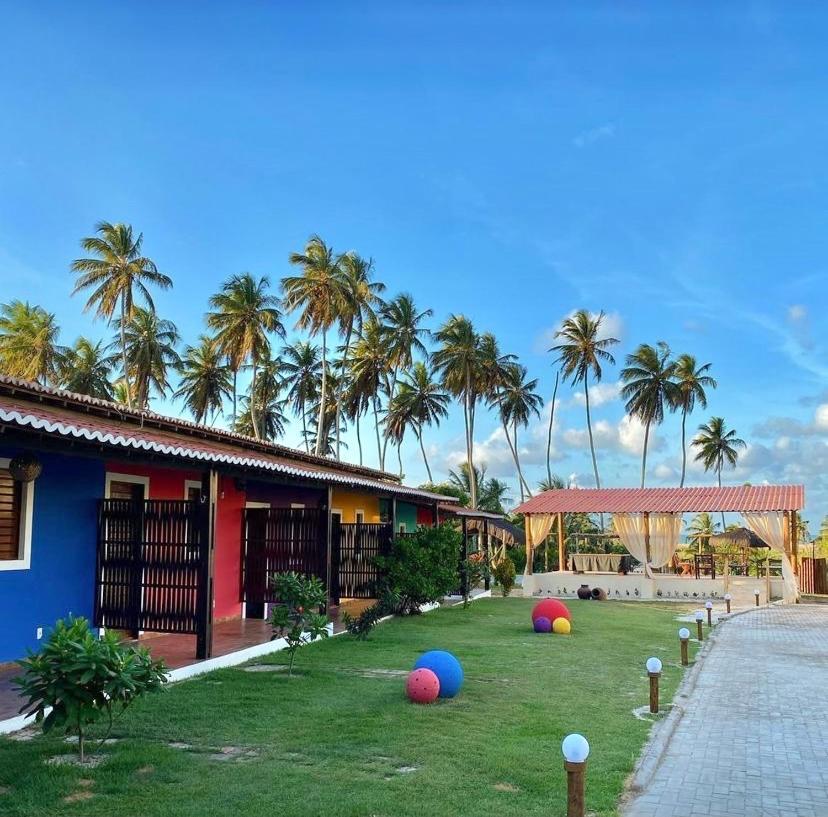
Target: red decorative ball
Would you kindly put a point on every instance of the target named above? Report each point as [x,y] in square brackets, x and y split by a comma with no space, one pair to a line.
[422,686]
[551,609]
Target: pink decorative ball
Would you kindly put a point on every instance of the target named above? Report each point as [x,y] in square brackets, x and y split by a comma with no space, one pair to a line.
[542,625]
[551,609]
[422,686]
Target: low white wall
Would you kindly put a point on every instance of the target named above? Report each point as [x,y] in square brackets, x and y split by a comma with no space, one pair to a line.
[661,586]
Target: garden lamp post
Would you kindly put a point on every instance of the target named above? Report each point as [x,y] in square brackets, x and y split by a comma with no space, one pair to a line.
[756,596]
[654,671]
[575,750]
[728,598]
[699,620]
[684,638]
[708,605]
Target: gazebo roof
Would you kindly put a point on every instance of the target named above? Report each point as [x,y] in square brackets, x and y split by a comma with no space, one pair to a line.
[749,498]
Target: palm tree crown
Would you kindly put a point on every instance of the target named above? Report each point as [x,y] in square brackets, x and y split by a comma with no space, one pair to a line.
[691,382]
[301,372]
[717,446]
[649,386]
[28,343]
[205,379]
[115,275]
[86,369]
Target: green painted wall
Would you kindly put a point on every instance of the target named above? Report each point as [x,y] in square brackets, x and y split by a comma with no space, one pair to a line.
[407,515]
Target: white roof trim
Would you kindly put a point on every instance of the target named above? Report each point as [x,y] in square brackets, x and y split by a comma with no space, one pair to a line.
[68,430]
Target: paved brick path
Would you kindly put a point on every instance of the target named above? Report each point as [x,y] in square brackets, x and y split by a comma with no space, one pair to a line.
[753,740]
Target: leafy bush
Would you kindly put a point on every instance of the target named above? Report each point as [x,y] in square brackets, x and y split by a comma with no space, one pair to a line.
[360,626]
[421,567]
[295,616]
[503,571]
[83,678]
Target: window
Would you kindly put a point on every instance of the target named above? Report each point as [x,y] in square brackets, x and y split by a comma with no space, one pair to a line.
[192,490]
[126,486]
[16,506]
[359,517]
[402,528]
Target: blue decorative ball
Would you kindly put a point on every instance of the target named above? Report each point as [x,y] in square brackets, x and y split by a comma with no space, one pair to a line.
[542,625]
[446,667]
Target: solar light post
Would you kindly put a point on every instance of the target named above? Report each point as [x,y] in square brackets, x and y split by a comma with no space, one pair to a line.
[654,671]
[708,605]
[575,750]
[727,598]
[756,596]
[699,620]
[684,638]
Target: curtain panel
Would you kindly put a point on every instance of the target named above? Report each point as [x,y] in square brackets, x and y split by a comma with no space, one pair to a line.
[665,529]
[537,526]
[771,528]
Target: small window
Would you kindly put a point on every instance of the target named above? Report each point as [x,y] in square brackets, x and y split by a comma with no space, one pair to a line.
[360,517]
[192,490]
[402,528]
[16,503]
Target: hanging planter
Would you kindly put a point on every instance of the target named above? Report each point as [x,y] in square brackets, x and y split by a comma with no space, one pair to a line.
[25,467]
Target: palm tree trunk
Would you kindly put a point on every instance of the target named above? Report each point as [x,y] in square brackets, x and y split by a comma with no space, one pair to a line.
[470,448]
[341,387]
[235,392]
[549,432]
[254,419]
[419,432]
[380,457]
[305,426]
[124,352]
[320,425]
[359,439]
[683,445]
[644,454]
[719,472]
[391,385]
[517,462]
[399,457]
[589,431]
[513,449]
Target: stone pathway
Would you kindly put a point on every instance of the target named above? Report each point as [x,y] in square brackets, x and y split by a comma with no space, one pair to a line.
[753,740]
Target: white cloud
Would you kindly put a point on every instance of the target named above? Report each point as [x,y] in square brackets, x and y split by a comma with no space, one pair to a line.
[821,417]
[665,472]
[599,394]
[593,135]
[626,436]
[797,313]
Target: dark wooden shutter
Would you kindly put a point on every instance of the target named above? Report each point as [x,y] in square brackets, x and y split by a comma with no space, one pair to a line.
[10,502]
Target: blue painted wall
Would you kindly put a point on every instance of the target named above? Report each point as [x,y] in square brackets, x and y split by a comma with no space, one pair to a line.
[61,579]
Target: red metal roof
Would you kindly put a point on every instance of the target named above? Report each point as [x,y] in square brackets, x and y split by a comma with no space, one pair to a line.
[749,498]
[126,433]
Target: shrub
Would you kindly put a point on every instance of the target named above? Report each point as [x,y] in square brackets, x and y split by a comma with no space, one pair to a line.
[503,571]
[295,616]
[83,678]
[421,567]
[360,626]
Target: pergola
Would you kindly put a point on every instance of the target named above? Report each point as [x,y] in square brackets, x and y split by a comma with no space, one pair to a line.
[648,520]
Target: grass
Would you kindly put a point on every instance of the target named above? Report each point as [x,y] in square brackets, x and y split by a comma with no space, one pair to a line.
[342,740]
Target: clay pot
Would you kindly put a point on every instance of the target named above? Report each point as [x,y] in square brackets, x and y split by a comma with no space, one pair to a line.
[584,592]
[599,594]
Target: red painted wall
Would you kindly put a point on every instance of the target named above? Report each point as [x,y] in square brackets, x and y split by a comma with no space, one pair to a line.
[165,483]
[425,516]
[227,566]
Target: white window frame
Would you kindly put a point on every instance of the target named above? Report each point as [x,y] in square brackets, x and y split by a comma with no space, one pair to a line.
[357,512]
[24,536]
[113,476]
[191,483]
[297,506]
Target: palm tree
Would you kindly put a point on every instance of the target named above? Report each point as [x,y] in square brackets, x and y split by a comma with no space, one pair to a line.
[553,483]
[205,379]
[150,353]
[717,446]
[302,372]
[86,369]
[581,353]
[116,274]
[420,401]
[700,529]
[649,385]
[691,382]
[321,293]
[517,401]
[28,343]
[244,315]
[369,370]
[549,430]
[355,404]
[270,417]
[362,298]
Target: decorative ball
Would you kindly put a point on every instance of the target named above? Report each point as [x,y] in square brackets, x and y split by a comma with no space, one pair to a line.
[551,609]
[447,669]
[561,626]
[422,686]
[542,625]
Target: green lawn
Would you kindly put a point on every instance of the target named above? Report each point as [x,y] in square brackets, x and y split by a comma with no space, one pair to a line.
[334,740]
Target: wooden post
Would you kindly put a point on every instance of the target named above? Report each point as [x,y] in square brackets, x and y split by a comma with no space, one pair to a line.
[530,555]
[654,676]
[204,637]
[793,516]
[647,570]
[329,548]
[685,660]
[709,616]
[727,602]
[574,788]
[699,629]
[561,543]
[727,576]
[767,577]
[487,582]
[393,517]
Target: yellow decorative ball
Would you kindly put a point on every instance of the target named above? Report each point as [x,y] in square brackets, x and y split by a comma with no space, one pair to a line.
[561,626]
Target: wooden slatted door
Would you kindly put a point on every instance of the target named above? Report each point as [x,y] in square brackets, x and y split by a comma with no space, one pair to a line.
[152,566]
[356,547]
[278,540]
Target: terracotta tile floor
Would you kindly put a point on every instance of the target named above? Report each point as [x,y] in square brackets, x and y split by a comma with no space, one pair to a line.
[179,650]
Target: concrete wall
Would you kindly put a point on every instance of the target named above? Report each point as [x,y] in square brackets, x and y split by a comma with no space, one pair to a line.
[667,586]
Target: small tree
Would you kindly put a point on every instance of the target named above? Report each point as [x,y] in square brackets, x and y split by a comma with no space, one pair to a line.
[82,678]
[421,567]
[295,616]
[503,571]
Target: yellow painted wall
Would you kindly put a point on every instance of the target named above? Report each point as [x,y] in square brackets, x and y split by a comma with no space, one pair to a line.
[348,502]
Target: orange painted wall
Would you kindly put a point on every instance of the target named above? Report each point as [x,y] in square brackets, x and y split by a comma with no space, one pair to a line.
[350,501]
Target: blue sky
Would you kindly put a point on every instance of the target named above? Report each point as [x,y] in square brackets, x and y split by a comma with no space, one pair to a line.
[660,162]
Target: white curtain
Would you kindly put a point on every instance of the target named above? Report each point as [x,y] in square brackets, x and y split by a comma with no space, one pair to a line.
[771,528]
[537,527]
[665,529]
